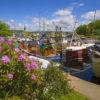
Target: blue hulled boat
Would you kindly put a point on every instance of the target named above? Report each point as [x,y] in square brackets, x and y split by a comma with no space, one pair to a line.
[85,73]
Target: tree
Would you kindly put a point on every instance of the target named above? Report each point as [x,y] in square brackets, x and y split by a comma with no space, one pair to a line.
[4,29]
[92,28]
[97,24]
[82,29]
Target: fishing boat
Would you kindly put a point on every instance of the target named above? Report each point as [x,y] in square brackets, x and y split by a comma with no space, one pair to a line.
[41,48]
[96,55]
[47,48]
[96,60]
[76,58]
[76,49]
[30,46]
[85,73]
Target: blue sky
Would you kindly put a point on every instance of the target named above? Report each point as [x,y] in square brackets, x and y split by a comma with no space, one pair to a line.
[24,11]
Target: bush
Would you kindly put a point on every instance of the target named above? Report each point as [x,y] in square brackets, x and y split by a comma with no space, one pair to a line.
[19,75]
[55,83]
[24,78]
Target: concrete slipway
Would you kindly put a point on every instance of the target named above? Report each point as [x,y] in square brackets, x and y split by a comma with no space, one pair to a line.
[91,90]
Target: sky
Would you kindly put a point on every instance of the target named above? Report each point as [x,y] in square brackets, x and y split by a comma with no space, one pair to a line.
[36,14]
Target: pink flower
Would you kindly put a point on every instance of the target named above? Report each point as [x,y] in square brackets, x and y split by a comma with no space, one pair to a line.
[1,39]
[10,76]
[16,49]
[0,48]
[9,41]
[5,59]
[33,77]
[21,57]
[31,66]
[28,66]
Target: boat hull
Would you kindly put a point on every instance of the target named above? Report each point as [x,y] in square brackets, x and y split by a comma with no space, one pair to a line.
[86,73]
[34,49]
[76,54]
[96,66]
[55,58]
[74,59]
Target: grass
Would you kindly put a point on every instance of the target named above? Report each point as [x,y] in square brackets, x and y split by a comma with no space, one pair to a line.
[73,96]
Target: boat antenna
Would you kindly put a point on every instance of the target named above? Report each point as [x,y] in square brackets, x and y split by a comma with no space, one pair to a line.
[94,18]
[44,25]
[24,28]
[94,15]
[39,24]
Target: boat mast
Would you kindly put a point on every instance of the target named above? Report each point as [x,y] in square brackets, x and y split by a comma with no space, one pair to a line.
[75,36]
[39,24]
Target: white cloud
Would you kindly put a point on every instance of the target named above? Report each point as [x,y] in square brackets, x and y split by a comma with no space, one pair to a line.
[62,17]
[18,26]
[89,16]
[63,12]
[11,23]
[63,21]
[78,4]
[81,4]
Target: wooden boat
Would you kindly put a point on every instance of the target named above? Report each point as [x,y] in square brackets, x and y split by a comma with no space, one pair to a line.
[46,47]
[41,48]
[30,46]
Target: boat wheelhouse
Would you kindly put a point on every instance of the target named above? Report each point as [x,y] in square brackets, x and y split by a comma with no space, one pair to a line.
[75,51]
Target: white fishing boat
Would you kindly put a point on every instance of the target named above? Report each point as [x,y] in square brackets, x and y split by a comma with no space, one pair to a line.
[76,49]
[76,58]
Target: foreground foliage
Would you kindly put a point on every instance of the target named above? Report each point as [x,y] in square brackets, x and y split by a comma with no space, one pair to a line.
[22,77]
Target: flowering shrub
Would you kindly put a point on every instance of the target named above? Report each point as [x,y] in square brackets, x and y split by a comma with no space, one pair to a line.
[5,59]
[18,73]
[23,77]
